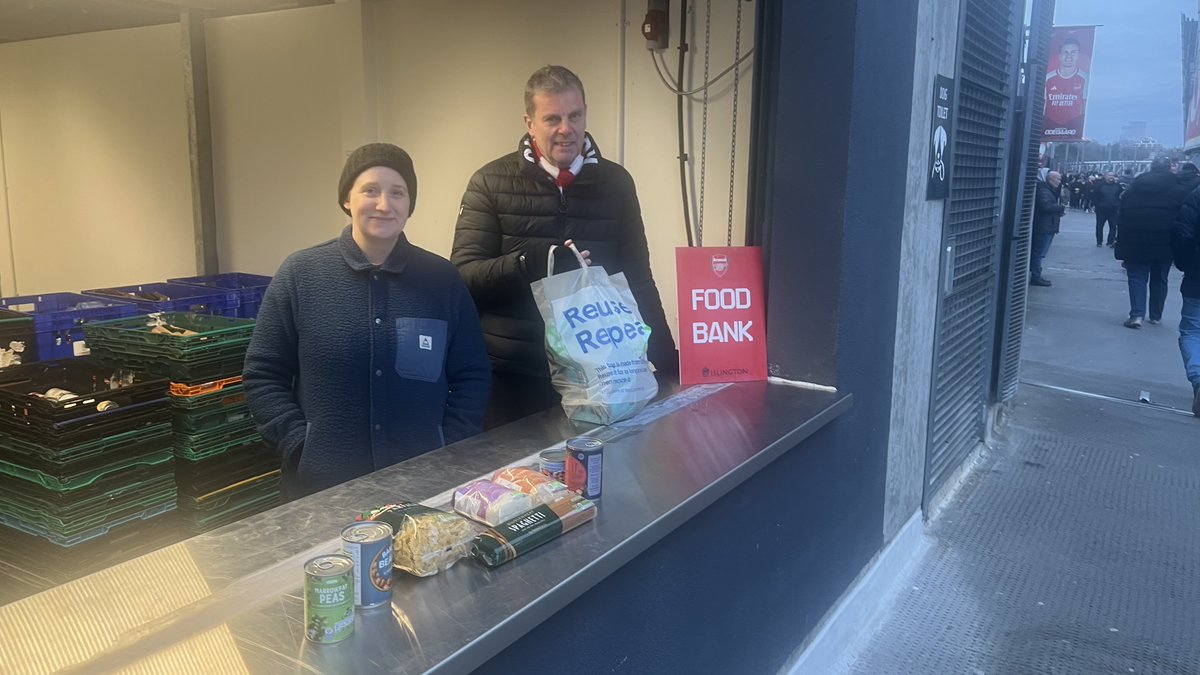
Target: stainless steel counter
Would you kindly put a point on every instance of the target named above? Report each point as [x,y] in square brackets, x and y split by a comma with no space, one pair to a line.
[229,601]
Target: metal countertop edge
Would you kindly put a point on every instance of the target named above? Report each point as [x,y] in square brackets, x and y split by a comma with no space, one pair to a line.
[493,641]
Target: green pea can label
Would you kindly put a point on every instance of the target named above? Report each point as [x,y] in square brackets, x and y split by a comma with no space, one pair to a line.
[329,598]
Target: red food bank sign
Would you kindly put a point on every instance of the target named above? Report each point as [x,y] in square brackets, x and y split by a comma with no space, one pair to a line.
[722,324]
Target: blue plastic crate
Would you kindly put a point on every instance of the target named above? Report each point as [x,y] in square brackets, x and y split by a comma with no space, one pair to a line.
[179,298]
[251,287]
[58,318]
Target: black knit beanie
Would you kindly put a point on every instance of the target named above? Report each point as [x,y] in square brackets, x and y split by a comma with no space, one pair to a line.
[377,154]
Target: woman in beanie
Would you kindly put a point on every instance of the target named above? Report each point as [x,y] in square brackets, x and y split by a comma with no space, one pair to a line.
[367,349]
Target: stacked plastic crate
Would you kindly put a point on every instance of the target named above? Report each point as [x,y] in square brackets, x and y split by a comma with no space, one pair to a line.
[167,297]
[84,449]
[18,343]
[58,319]
[222,469]
[250,288]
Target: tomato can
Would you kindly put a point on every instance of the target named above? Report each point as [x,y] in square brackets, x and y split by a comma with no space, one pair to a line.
[585,466]
[553,463]
[328,598]
[369,545]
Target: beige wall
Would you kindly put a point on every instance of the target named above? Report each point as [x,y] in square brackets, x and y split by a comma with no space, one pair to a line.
[95,161]
[277,126]
[292,92]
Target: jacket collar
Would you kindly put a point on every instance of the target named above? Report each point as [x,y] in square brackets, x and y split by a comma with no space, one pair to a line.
[357,260]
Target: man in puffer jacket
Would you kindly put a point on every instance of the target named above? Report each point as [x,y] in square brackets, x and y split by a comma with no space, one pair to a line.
[1148,211]
[555,187]
[1185,245]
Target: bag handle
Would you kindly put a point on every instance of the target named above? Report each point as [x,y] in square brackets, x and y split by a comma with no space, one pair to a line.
[550,258]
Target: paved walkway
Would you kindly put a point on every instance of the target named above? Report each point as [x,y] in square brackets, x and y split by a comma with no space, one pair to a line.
[1076,547]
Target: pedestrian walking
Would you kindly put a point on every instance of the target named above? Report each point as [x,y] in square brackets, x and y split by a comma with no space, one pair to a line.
[1185,247]
[1148,212]
[1106,197]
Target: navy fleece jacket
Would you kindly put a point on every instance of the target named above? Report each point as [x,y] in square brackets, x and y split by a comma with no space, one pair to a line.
[353,367]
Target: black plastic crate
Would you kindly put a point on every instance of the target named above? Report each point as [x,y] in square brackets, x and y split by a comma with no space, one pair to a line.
[200,477]
[81,430]
[98,389]
[231,504]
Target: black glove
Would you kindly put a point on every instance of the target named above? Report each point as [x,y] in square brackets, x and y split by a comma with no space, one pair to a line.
[534,259]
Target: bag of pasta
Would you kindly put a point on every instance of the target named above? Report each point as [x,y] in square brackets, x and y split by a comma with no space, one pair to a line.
[426,540]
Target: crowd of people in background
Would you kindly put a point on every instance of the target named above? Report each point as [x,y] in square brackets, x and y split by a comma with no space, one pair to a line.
[1152,222]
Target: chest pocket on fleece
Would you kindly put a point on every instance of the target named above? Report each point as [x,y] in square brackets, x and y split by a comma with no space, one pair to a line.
[420,348]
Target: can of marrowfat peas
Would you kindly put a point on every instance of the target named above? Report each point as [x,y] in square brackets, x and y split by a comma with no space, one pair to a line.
[369,545]
[585,466]
[328,598]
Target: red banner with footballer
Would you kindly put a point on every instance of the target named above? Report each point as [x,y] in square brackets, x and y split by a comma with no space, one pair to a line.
[722,318]
[1191,136]
[1068,73]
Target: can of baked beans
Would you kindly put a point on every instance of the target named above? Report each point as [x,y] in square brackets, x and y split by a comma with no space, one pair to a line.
[585,466]
[553,463]
[328,598]
[369,545]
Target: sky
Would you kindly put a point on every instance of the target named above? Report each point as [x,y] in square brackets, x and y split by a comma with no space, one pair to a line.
[1137,68]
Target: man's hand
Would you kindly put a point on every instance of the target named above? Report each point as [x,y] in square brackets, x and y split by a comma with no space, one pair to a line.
[587,255]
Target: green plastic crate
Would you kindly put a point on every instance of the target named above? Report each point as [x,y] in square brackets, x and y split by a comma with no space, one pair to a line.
[216,441]
[65,481]
[210,330]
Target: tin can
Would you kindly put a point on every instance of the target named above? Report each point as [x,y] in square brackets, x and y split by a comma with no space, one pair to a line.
[369,545]
[585,466]
[553,463]
[328,599]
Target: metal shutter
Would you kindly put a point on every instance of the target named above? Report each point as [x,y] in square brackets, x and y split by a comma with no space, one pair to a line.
[1024,168]
[962,358]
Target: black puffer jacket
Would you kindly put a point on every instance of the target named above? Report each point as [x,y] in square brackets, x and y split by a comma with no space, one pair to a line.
[1185,244]
[513,207]
[1106,195]
[1047,208]
[1148,211]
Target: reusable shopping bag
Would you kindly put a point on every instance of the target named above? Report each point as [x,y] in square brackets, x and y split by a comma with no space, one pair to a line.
[595,342]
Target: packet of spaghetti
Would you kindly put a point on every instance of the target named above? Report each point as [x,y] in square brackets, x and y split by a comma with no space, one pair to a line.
[504,542]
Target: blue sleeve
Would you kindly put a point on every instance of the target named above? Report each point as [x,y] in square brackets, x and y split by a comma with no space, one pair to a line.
[272,366]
